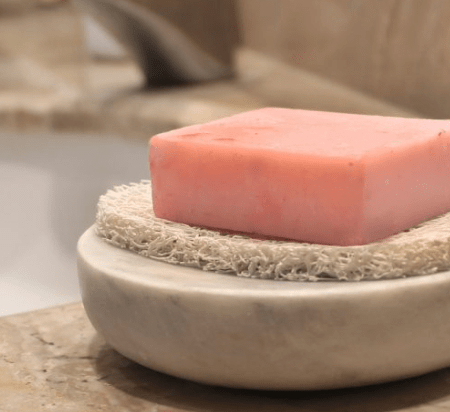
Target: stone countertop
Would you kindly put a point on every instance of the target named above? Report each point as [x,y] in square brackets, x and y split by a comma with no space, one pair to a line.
[71,93]
[53,359]
[114,102]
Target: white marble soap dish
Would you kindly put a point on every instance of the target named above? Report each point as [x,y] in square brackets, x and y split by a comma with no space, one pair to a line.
[264,334]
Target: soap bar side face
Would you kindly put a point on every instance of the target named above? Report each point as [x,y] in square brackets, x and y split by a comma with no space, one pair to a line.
[406,186]
[257,191]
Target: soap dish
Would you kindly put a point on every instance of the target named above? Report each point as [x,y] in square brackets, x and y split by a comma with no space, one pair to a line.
[263,334]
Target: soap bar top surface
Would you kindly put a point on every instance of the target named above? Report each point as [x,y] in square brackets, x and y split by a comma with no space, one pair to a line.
[312,132]
[317,177]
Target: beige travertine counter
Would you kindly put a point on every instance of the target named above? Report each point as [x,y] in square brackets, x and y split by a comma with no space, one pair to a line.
[114,101]
[53,359]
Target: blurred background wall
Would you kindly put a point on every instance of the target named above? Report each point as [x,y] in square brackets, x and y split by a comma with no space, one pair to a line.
[398,50]
[394,50]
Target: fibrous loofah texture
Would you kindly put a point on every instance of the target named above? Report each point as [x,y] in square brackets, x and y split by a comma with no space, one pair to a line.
[125,219]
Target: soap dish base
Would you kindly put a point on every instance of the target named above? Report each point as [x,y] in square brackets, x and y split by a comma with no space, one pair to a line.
[263,334]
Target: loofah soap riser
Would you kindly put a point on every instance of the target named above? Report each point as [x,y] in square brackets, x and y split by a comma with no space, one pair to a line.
[125,219]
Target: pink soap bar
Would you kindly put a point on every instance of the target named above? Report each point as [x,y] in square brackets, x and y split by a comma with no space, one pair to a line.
[317,177]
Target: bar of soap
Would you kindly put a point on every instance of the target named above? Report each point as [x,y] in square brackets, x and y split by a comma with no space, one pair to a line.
[309,176]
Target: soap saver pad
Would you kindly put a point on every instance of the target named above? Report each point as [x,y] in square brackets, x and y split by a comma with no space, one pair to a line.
[125,219]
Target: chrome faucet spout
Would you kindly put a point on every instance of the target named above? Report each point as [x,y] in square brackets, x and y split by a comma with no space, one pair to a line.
[163,48]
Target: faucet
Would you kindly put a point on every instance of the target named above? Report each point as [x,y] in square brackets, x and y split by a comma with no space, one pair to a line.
[173,41]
